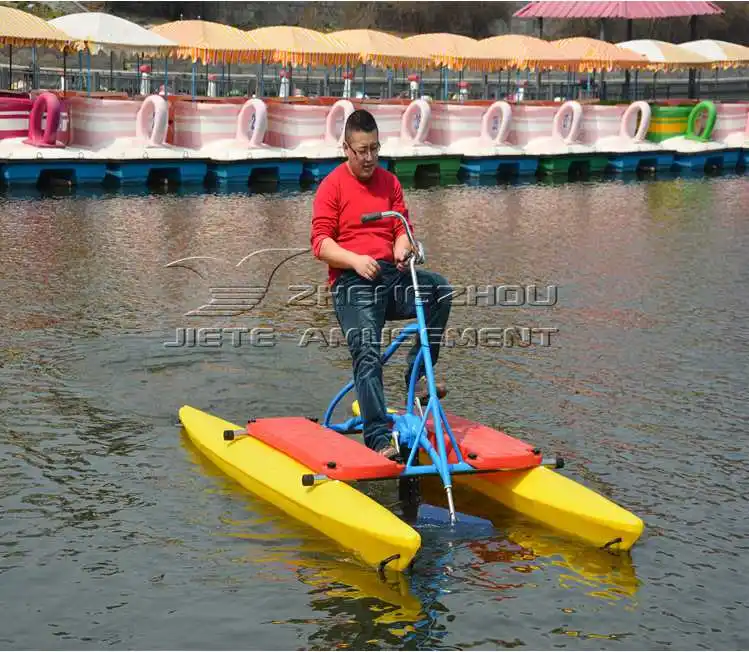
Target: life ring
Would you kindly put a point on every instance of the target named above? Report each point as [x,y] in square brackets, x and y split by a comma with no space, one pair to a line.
[746,126]
[341,109]
[415,122]
[50,104]
[499,111]
[568,108]
[629,128]
[154,134]
[712,114]
[252,123]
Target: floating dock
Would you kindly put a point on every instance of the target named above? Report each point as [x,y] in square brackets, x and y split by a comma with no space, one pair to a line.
[175,142]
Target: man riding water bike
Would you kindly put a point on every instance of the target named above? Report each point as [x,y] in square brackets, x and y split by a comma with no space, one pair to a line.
[368,272]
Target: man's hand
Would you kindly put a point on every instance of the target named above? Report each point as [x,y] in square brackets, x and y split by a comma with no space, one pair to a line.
[367,267]
[400,252]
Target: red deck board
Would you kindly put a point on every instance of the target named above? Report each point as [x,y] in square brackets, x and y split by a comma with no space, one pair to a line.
[492,448]
[315,446]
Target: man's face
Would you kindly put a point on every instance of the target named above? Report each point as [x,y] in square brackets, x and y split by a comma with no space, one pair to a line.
[362,150]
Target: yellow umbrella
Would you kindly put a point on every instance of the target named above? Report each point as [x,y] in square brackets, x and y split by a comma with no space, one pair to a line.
[453,51]
[23,29]
[518,51]
[666,56]
[593,54]
[299,46]
[383,50]
[211,42]
[721,54]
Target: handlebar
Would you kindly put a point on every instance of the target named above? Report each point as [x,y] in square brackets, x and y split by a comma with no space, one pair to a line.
[416,248]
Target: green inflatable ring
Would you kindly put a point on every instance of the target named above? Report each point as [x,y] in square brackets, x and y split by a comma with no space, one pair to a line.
[711,115]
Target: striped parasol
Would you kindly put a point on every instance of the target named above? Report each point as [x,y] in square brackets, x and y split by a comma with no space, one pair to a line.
[452,51]
[666,56]
[299,46]
[721,54]
[383,50]
[202,40]
[21,29]
[594,54]
[522,52]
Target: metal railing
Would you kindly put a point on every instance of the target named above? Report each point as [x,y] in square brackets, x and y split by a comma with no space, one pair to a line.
[729,87]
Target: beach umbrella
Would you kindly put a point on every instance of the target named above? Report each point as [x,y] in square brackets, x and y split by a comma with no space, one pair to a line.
[103,33]
[522,52]
[517,51]
[594,54]
[721,54]
[298,46]
[21,29]
[665,56]
[383,50]
[211,43]
[449,52]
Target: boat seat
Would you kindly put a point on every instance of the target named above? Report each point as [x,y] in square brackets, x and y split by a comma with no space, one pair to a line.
[323,450]
[486,448]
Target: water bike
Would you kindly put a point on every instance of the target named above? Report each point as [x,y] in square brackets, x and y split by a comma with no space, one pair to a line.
[305,467]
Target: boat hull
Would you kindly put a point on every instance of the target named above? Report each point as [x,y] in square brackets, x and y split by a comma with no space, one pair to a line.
[539,493]
[338,510]
[561,503]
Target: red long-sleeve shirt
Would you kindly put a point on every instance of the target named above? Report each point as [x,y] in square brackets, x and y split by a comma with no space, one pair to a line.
[339,203]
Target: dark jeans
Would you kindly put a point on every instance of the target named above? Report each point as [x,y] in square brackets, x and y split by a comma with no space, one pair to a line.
[362,307]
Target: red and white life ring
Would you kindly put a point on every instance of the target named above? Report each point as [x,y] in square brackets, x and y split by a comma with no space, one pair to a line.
[746,126]
[154,108]
[568,109]
[338,113]
[496,122]
[628,128]
[415,122]
[252,123]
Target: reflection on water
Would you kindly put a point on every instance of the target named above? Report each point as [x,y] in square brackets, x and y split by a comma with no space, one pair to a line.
[397,606]
[110,518]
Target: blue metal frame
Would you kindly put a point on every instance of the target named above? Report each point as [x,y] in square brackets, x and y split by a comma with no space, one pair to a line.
[409,423]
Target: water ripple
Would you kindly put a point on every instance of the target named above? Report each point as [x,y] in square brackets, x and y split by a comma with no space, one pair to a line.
[110,517]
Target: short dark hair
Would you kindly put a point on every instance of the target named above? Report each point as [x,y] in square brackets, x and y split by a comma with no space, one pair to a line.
[360,120]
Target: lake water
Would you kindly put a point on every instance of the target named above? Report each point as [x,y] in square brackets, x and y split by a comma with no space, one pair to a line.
[115,532]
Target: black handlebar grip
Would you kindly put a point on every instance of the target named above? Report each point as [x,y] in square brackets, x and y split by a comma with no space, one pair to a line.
[369,217]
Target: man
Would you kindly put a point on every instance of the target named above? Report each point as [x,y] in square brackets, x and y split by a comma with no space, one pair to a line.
[368,274]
